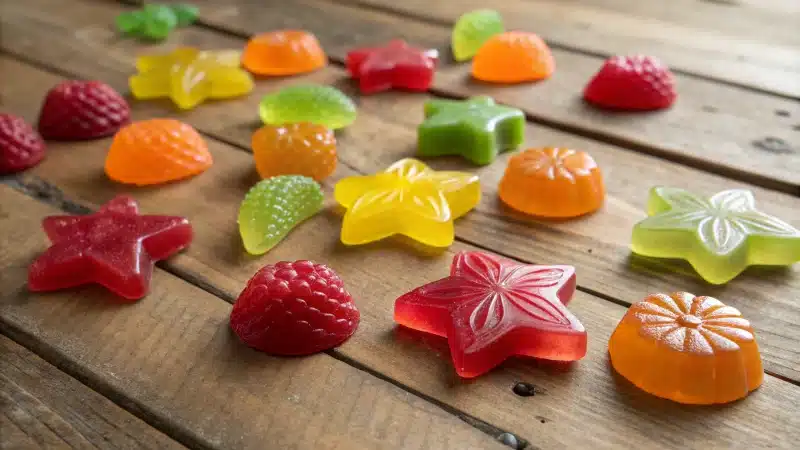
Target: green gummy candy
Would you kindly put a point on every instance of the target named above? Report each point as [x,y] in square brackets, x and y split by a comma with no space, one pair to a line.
[273,207]
[323,105]
[186,14]
[472,30]
[159,21]
[130,22]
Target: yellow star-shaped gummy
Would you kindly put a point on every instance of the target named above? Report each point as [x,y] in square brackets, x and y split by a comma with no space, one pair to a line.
[189,76]
[408,198]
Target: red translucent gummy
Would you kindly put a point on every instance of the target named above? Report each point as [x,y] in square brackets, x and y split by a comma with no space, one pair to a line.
[397,65]
[115,247]
[491,308]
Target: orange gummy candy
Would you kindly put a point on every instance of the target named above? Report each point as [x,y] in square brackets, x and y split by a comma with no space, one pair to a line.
[513,57]
[295,149]
[688,349]
[156,151]
[552,182]
[286,52]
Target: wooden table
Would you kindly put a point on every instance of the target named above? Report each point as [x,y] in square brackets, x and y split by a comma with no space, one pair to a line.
[78,370]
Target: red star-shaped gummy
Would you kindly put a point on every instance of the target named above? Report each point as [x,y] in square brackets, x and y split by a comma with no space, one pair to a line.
[395,66]
[491,308]
[116,247]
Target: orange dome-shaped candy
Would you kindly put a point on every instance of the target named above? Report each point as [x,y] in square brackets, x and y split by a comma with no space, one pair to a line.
[513,57]
[156,151]
[286,52]
[552,182]
[687,349]
[295,149]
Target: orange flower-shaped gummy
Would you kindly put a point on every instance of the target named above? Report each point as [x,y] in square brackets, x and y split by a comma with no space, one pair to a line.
[295,149]
[286,52]
[513,57]
[688,349]
[552,182]
[156,151]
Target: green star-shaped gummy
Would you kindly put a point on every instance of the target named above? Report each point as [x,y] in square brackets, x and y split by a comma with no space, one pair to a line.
[156,21]
[477,129]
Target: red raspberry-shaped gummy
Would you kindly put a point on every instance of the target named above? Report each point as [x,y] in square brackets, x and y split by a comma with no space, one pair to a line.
[636,83]
[21,146]
[294,308]
[78,110]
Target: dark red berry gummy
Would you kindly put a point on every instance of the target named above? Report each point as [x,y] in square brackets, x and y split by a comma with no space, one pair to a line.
[21,147]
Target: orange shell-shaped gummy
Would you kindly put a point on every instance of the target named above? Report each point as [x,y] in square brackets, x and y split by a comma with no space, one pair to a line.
[513,57]
[552,182]
[688,349]
[295,149]
[286,52]
[156,151]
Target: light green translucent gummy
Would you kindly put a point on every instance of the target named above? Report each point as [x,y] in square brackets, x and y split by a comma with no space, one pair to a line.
[323,105]
[159,21]
[472,30]
[273,207]
[186,14]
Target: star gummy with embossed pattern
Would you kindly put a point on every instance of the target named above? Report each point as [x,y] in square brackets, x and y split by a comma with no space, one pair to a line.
[719,236]
[115,247]
[472,30]
[314,103]
[490,308]
[552,182]
[283,52]
[513,57]
[295,149]
[397,65]
[687,349]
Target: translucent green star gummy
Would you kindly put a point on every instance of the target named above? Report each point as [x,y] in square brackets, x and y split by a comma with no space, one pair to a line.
[719,236]
[159,21]
[155,21]
[322,105]
[472,30]
[186,14]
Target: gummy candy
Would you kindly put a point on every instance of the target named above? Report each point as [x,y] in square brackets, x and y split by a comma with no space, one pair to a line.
[397,65]
[189,76]
[295,149]
[490,309]
[287,52]
[273,207]
[156,151]
[688,349]
[21,147]
[634,83]
[323,105]
[472,30]
[552,182]
[719,236]
[476,129]
[408,198]
[115,247]
[156,21]
[513,57]
[75,110]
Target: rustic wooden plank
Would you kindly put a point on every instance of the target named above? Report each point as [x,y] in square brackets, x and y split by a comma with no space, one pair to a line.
[42,407]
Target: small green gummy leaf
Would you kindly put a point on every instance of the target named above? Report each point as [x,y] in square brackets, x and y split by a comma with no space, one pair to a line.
[472,30]
[323,105]
[130,22]
[159,21]
[185,13]
[273,207]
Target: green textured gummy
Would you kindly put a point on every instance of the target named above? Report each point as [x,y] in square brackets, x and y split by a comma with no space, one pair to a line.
[472,30]
[185,13]
[130,22]
[323,105]
[159,21]
[273,207]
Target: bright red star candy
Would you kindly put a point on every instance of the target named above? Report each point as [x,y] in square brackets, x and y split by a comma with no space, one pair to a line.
[116,247]
[491,308]
[395,66]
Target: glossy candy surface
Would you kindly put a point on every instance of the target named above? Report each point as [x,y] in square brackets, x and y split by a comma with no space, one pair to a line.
[477,129]
[552,182]
[115,247]
[21,147]
[409,199]
[490,309]
[472,30]
[323,105]
[719,236]
[688,349]
[397,65]
[156,21]
[295,149]
[284,52]
[513,57]
[634,83]
[77,110]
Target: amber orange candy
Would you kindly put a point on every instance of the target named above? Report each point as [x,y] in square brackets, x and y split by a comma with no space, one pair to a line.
[688,349]
[513,57]
[285,52]
[552,182]
[295,149]
[156,151]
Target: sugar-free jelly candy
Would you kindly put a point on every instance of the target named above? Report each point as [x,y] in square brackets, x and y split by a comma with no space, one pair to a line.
[552,182]
[632,83]
[156,21]
[295,149]
[409,199]
[687,349]
[472,30]
[273,207]
[720,236]
[285,52]
[490,309]
[397,65]
[323,105]
[513,57]
[190,77]
[21,147]
[477,129]
[156,151]
[77,110]
[115,247]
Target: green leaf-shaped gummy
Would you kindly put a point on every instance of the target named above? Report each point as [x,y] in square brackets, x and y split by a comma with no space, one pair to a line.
[273,207]
[130,22]
[159,21]
[186,14]
[472,30]
[323,105]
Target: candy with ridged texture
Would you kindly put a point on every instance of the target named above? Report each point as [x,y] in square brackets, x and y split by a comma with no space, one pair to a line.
[513,57]
[323,105]
[632,83]
[295,149]
[273,207]
[472,30]
[284,52]
[21,147]
[396,65]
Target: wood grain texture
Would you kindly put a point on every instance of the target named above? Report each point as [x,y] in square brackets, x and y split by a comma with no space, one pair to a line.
[42,407]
